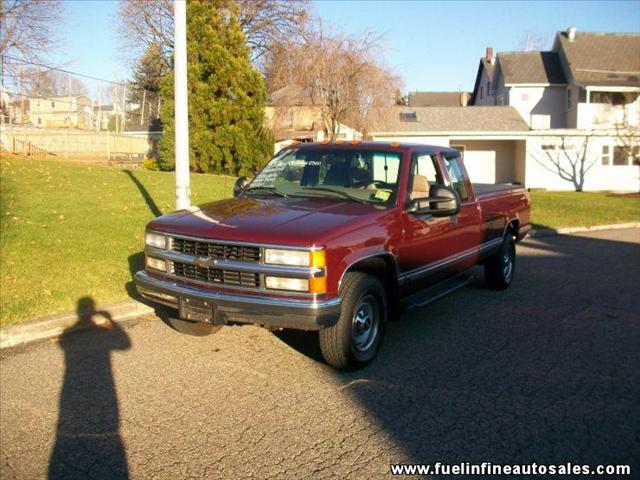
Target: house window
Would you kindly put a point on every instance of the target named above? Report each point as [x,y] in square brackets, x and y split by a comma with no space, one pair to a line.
[620,156]
[548,147]
[39,121]
[525,97]
[53,104]
[481,93]
[568,99]
[606,155]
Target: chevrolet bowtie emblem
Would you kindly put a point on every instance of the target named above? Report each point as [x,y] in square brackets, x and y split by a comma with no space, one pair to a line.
[203,262]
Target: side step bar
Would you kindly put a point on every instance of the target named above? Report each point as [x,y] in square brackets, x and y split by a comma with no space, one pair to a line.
[435,292]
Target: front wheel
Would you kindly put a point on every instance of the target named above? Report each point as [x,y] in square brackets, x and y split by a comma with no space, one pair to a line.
[356,337]
[500,268]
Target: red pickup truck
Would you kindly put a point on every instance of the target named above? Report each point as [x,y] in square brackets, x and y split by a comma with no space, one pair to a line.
[334,237]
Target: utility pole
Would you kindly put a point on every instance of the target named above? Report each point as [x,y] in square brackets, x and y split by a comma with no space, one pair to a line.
[183,189]
[124,107]
[99,122]
[70,103]
[144,97]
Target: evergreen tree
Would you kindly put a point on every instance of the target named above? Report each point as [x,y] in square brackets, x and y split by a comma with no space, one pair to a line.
[144,90]
[226,96]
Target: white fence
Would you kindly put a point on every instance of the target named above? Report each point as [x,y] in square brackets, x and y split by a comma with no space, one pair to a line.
[68,143]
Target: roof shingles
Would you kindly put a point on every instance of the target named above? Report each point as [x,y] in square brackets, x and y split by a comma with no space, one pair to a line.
[449,119]
[531,68]
[603,58]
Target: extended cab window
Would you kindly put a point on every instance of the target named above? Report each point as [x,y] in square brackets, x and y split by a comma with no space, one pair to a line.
[456,177]
[360,175]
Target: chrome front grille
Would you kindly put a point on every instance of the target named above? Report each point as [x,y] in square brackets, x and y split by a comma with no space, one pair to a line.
[216,251]
[216,275]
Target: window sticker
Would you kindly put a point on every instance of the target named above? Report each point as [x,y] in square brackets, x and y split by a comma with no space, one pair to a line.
[382,195]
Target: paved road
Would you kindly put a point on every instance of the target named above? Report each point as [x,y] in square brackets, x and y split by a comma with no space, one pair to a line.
[548,371]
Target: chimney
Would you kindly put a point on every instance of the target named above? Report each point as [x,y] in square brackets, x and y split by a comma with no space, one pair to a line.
[489,54]
[571,33]
[464,99]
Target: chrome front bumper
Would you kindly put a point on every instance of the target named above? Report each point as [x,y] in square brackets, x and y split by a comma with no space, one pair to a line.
[301,314]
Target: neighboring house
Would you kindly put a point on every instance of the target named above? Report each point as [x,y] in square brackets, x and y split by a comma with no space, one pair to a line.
[61,111]
[581,102]
[293,115]
[438,99]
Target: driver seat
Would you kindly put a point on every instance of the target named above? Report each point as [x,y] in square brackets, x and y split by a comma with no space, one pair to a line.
[419,188]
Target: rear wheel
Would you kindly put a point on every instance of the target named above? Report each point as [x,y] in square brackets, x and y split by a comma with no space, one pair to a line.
[500,268]
[356,337]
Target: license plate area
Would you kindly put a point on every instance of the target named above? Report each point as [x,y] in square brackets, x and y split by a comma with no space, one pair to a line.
[196,310]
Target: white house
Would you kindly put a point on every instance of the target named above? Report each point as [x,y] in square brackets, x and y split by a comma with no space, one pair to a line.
[563,119]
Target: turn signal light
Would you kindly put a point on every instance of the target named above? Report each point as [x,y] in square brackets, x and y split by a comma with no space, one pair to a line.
[318,285]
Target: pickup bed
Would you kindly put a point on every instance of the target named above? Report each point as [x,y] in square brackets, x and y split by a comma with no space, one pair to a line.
[333,237]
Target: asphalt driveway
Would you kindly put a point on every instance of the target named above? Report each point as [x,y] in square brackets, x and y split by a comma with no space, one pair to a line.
[546,372]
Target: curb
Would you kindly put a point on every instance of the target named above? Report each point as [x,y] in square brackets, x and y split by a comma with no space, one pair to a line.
[548,232]
[55,325]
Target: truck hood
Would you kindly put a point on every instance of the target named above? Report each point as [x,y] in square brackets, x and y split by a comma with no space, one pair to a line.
[279,221]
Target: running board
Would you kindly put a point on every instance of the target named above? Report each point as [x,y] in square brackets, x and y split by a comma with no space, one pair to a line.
[435,292]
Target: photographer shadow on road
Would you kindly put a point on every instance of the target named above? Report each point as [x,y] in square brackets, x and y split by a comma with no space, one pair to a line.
[88,442]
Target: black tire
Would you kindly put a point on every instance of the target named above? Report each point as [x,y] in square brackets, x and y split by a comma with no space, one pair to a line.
[500,268]
[357,335]
[196,329]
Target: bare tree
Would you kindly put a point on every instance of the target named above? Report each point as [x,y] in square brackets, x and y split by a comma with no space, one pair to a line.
[568,162]
[42,83]
[341,75]
[28,31]
[264,23]
[148,22]
[533,42]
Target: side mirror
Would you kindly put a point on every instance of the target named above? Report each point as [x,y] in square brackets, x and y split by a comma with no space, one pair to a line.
[240,185]
[443,202]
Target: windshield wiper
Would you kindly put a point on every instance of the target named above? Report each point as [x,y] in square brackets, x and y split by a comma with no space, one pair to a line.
[269,189]
[339,192]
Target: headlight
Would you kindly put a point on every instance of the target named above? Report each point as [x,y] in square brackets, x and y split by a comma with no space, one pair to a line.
[155,240]
[156,264]
[295,258]
[279,283]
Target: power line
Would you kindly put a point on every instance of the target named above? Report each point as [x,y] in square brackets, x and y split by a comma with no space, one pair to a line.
[70,72]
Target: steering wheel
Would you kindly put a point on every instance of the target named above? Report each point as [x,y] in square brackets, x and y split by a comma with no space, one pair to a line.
[376,184]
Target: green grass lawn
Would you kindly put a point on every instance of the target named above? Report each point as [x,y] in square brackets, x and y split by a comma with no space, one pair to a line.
[584,209]
[69,230]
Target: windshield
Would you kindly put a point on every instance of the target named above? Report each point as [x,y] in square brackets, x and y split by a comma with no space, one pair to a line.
[355,175]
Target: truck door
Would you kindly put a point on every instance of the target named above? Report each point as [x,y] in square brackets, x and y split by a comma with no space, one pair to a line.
[428,241]
[467,236]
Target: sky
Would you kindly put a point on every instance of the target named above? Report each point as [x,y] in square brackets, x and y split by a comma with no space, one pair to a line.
[433,46]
